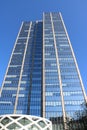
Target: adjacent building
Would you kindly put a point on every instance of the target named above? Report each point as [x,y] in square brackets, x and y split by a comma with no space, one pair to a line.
[42,77]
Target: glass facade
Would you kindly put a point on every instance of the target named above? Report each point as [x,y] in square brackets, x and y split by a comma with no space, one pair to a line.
[52,87]
[22,86]
[42,76]
[64,92]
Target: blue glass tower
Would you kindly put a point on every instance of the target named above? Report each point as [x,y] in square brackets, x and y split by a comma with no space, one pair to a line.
[63,90]
[22,86]
[42,77]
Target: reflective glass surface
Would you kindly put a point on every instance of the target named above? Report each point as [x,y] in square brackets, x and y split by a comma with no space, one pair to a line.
[61,74]
[23,89]
[23,81]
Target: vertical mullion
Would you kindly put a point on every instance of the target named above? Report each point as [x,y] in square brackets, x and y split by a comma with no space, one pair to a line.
[59,73]
[10,59]
[74,59]
[16,102]
[43,70]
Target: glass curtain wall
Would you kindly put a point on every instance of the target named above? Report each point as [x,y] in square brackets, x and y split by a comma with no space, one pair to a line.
[63,87]
[22,86]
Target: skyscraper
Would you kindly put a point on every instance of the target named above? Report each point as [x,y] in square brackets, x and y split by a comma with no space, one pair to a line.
[42,77]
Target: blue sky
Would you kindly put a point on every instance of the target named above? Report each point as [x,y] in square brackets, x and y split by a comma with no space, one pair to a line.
[13,12]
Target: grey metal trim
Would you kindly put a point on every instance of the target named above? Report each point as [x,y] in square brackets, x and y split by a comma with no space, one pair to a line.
[43,72]
[84,93]
[10,58]
[58,67]
[15,107]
